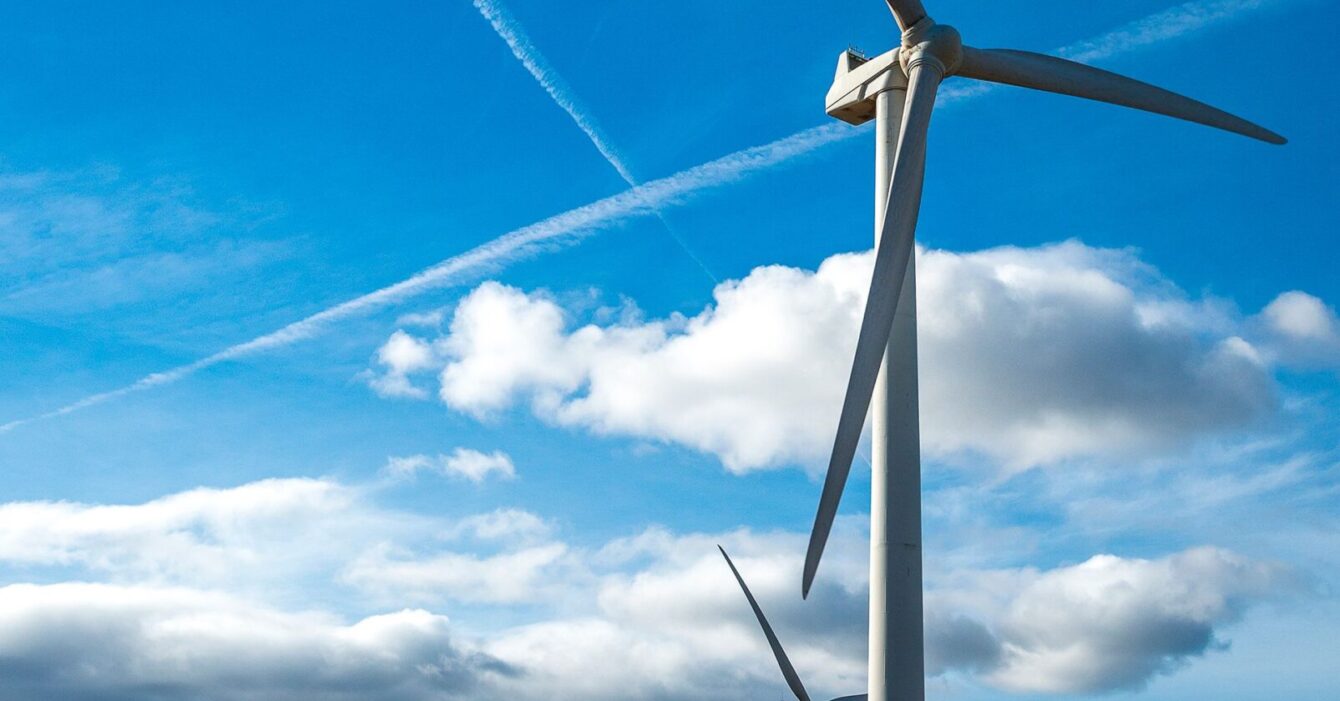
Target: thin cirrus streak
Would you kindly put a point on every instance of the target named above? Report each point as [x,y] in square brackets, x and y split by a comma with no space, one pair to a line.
[1172,23]
[569,227]
[562,229]
[510,31]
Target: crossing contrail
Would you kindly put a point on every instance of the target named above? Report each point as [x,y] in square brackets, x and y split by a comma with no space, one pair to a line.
[510,31]
[647,199]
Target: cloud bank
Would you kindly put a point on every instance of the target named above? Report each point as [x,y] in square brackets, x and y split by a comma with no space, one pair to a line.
[654,615]
[1028,356]
[95,641]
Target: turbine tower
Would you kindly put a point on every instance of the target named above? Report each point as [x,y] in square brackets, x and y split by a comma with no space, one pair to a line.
[898,90]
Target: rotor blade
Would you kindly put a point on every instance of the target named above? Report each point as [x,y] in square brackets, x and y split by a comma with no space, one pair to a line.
[858,697]
[891,259]
[789,672]
[1058,75]
[906,12]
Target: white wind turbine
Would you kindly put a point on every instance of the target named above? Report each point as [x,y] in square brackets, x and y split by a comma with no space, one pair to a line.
[898,90]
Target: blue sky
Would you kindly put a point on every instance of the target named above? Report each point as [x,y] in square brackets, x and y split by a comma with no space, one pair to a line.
[503,477]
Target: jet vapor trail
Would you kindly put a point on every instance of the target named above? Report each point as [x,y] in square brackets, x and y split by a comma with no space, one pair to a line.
[573,225]
[1173,23]
[509,30]
[556,231]
[1176,21]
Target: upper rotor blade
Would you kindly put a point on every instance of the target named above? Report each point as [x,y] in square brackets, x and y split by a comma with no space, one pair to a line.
[789,672]
[891,258]
[1058,75]
[906,12]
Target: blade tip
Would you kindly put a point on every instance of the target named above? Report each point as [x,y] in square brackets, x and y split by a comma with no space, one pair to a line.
[1263,134]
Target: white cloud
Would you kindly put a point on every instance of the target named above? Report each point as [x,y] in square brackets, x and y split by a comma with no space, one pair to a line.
[430,319]
[1045,354]
[400,356]
[245,537]
[92,641]
[273,538]
[651,616]
[462,463]
[678,626]
[1301,316]
[1113,623]
[1301,329]
[1066,351]
[669,622]
[476,466]
[504,524]
[511,577]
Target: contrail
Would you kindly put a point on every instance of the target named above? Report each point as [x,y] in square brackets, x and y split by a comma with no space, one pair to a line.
[1173,23]
[571,226]
[509,30]
[549,79]
[556,231]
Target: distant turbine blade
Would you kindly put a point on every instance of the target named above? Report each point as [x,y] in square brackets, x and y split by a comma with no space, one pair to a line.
[1041,72]
[891,258]
[789,672]
[906,12]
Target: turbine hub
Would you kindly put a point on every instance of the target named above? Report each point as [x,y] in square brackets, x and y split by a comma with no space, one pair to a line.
[938,45]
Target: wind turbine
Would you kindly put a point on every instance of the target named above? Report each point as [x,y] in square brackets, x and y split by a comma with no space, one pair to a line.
[898,89]
[788,671]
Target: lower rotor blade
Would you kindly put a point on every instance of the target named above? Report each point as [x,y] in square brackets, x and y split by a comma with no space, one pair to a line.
[858,697]
[789,672]
[1041,72]
[891,259]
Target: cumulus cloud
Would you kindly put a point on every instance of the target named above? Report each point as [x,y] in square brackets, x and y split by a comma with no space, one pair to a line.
[95,641]
[504,524]
[401,355]
[462,463]
[1113,623]
[669,622]
[266,537]
[243,536]
[678,626]
[1030,356]
[1302,330]
[652,616]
